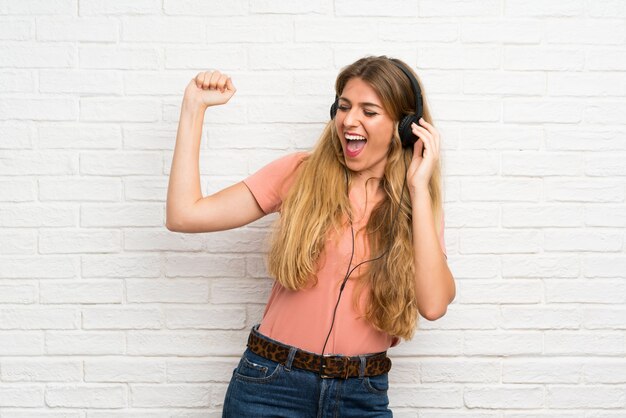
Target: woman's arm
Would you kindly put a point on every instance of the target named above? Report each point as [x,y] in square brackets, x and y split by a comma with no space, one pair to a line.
[186,209]
[434,284]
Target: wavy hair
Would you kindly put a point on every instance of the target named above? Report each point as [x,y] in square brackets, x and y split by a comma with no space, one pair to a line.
[315,205]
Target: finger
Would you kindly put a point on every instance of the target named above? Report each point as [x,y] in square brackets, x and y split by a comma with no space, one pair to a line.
[214,78]
[199,79]
[205,79]
[229,84]
[221,83]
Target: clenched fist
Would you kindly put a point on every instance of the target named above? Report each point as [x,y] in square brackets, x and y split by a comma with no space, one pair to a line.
[209,88]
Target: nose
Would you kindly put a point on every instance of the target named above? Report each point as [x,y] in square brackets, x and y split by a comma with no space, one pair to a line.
[351,118]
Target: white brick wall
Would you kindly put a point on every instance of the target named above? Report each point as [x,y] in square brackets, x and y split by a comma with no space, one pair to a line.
[105,313]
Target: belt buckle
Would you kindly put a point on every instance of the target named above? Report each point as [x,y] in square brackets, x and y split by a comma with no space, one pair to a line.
[344,360]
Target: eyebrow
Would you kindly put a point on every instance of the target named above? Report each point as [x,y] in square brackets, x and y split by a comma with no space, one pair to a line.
[362,103]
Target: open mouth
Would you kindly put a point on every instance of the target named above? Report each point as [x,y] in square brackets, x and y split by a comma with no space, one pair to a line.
[354,144]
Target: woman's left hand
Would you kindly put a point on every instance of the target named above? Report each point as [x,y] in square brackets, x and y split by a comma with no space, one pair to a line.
[422,167]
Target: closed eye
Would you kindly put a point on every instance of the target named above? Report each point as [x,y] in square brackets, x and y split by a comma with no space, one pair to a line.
[366,112]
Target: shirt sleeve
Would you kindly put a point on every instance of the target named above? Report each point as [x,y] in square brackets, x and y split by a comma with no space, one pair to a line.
[270,184]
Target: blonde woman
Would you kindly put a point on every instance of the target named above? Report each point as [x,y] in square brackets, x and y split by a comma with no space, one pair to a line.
[357,251]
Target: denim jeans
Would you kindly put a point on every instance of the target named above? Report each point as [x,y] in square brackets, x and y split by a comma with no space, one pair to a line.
[264,388]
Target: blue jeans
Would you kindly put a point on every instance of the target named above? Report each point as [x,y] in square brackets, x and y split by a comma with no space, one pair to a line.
[264,388]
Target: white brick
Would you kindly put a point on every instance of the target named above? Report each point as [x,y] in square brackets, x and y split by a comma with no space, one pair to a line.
[198,7]
[16,82]
[119,110]
[119,7]
[548,370]
[465,317]
[16,30]
[167,291]
[517,58]
[605,215]
[499,241]
[145,189]
[16,292]
[252,29]
[540,266]
[143,239]
[433,8]
[581,190]
[121,318]
[518,31]
[118,370]
[542,216]
[462,371]
[16,135]
[81,291]
[397,31]
[27,396]
[422,396]
[473,267]
[585,291]
[25,343]
[84,343]
[504,190]
[472,163]
[81,136]
[454,57]
[27,215]
[402,8]
[539,317]
[118,57]
[206,58]
[77,29]
[218,317]
[52,109]
[152,137]
[582,240]
[37,318]
[544,111]
[44,267]
[158,29]
[40,7]
[79,241]
[41,370]
[282,7]
[604,371]
[86,396]
[587,343]
[502,343]
[605,165]
[604,266]
[321,29]
[585,397]
[216,369]
[604,318]
[120,266]
[80,189]
[39,55]
[272,136]
[499,291]
[131,215]
[597,139]
[538,8]
[186,343]
[167,396]
[438,343]
[541,164]
[79,81]
[504,397]
[294,58]
[520,138]
[240,290]
[564,84]
[204,266]
[18,242]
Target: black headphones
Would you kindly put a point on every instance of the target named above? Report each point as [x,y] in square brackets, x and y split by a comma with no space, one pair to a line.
[404,127]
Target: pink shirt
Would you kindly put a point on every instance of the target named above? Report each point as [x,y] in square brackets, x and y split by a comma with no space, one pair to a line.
[303,318]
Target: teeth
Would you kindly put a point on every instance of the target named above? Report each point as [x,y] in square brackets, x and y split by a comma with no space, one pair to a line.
[354,137]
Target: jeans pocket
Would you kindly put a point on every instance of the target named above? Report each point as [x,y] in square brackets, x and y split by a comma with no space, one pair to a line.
[254,368]
[377,384]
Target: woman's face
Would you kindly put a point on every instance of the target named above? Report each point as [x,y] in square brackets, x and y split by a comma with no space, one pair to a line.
[364,128]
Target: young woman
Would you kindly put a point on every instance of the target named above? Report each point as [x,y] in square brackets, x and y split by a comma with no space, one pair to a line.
[356,254]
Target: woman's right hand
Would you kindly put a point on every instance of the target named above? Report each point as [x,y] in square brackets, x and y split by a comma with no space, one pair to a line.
[209,88]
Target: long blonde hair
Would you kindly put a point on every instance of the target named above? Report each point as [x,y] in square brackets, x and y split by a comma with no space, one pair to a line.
[318,201]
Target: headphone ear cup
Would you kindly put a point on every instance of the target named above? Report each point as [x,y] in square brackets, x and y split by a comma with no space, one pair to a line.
[404,130]
[333,109]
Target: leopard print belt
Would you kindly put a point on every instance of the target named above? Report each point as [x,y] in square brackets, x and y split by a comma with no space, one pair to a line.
[326,366]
